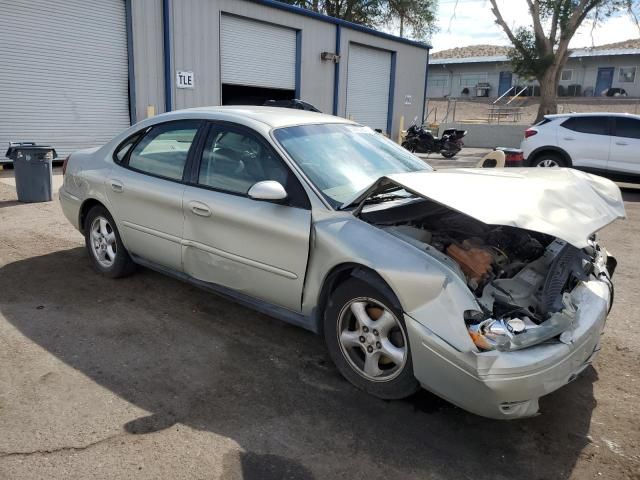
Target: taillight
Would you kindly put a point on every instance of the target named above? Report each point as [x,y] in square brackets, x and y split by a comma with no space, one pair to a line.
[529,132]
[64,164]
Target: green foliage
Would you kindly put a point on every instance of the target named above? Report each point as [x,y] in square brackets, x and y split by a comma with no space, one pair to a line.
[418,17]
[526,58]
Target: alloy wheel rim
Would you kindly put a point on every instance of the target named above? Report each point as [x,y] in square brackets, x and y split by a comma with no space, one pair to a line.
[372,340]
[103,242]
[548,163]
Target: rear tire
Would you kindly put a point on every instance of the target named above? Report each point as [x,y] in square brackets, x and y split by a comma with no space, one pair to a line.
[104,246]
[367,340]
[548,160]
[448,154]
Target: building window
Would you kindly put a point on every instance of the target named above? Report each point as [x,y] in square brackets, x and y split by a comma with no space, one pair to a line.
[472,79]
[437,81]
[566,75]
[627,75]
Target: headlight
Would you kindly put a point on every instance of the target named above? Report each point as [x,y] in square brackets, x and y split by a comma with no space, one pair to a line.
[494,334]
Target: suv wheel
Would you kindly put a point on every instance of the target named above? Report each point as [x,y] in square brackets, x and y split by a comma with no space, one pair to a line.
[368,342]
[549,160]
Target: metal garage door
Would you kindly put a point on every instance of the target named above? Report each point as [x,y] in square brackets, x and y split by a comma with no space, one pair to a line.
[368,79]
[257,54]
[63,72]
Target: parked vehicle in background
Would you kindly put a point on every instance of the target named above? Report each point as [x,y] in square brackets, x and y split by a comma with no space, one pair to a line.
[295,103]
[421,140]
[603,143]
[414,277]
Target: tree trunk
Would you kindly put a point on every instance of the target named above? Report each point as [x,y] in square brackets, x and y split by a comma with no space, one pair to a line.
[548,92]
[401,26]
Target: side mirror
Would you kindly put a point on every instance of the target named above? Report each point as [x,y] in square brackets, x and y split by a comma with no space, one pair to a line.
[268,190]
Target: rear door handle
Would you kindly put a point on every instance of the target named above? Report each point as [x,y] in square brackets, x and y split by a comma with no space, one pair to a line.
[200,209]
[568,138]
[117,186]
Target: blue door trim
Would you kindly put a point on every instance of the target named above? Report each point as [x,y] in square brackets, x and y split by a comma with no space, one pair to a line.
[133,117]
[166,43]
[424,94]
[392,89]
[336,73]
[298,62]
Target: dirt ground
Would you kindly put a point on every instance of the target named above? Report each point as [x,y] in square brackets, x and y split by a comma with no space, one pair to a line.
[476,109]
[147,377]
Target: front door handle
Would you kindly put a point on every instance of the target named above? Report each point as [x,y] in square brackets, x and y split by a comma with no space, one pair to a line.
[622,143]
[200,209]
[117,186]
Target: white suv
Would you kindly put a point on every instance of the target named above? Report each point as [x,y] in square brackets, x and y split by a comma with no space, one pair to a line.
[607,144]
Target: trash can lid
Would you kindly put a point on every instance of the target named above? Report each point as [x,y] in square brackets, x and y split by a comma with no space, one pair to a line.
[31,146]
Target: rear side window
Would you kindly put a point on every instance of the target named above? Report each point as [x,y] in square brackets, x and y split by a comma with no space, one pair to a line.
[163,151]
[544,121]
[593,125]
[627,127]
[122,150]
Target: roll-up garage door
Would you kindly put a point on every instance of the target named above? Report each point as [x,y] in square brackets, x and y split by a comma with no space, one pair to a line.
[257,54]
[368,81]
[63,72]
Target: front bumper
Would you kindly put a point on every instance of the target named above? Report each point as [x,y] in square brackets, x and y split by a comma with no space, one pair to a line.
[507,385]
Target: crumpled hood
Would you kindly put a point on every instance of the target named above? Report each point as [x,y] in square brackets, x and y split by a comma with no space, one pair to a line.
[563,202]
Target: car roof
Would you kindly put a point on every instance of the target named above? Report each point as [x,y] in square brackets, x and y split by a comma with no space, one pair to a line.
[273,117]
[592,114]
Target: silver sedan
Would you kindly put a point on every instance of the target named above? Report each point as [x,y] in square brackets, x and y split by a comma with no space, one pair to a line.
[486,287]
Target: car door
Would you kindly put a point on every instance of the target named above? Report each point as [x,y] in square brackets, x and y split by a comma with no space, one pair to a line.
[625,146]
[145,189]
[586,139]
[258,248]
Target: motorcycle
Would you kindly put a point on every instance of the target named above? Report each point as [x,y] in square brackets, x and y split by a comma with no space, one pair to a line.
[420,140]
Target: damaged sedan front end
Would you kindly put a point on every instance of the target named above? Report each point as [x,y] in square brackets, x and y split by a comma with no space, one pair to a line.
[539,282]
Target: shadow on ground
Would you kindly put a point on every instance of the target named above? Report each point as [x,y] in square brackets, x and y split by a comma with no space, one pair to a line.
[191,357]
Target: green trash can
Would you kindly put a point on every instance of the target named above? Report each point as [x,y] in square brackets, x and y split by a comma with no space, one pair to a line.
[33,171]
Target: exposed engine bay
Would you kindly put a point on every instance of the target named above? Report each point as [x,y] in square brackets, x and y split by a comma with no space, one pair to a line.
[521,279]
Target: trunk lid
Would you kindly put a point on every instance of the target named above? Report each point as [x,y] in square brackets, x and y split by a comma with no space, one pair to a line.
[562,202]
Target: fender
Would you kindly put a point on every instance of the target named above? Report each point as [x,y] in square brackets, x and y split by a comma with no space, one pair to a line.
[550,148]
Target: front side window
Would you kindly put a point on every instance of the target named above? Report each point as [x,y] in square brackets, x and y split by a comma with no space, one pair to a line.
[627,75]
[627,127]
[233,161]
[593,125]
[164,149]
[343,159]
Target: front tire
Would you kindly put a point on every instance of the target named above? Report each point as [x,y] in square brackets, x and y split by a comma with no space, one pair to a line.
[368,342]
[411,146]
[448,153]
[104,246]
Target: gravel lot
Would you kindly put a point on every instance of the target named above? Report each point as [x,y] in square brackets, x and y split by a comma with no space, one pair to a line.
[147,377]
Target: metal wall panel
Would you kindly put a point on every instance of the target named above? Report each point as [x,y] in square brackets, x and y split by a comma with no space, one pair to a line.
[63,72]
[257,54]
[368,83]
[148,56]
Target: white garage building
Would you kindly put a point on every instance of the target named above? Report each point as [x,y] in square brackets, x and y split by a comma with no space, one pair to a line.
[75,72]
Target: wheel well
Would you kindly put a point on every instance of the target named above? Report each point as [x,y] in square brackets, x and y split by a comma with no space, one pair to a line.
[555,151]
[84,210]
[338,275]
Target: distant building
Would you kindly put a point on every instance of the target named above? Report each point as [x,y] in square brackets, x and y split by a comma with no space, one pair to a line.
[484,70]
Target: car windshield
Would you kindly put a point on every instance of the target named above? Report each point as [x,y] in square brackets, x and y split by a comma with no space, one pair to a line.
[343,159]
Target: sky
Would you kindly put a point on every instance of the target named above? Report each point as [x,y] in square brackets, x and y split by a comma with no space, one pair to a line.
[474,24]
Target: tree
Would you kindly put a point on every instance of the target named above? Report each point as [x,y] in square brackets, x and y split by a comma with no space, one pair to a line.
[541,50]
[416,15]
